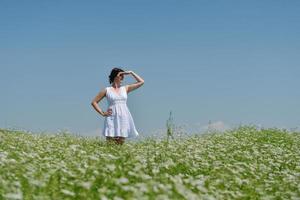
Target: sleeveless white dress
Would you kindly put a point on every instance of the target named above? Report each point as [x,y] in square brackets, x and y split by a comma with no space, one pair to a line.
[120,123]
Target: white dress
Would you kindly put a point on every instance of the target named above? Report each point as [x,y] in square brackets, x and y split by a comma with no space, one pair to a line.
[120,123]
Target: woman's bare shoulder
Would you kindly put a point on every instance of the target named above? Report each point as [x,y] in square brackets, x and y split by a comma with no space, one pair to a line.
[104,90]
[100,95]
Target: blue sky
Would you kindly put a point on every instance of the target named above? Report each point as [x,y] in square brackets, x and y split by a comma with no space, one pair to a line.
[231,62]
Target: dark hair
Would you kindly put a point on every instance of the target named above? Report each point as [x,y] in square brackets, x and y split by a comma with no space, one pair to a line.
[114,72]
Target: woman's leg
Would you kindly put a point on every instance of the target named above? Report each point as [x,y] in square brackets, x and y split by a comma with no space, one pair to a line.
[111,140]
[116,140]
[120,140]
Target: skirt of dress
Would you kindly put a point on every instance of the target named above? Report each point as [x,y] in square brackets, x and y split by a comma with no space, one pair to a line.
[120,123]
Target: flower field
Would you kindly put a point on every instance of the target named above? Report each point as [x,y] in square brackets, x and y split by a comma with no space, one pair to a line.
[243,163]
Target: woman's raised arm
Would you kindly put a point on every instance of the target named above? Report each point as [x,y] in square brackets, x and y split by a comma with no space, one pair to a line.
[136,85]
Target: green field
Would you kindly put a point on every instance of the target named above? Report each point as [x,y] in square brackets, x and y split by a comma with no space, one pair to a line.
[243,163]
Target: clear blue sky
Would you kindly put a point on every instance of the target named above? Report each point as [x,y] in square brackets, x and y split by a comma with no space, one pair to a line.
[228,61]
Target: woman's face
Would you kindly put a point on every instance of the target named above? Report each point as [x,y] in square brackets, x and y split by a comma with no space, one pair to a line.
[119,78]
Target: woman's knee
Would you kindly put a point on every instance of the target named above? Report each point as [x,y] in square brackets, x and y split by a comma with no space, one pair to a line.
[117,140]
[120,140]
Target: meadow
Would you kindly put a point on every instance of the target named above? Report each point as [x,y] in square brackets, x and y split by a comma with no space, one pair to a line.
[241,163]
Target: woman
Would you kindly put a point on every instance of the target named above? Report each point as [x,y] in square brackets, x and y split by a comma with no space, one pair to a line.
[118,123]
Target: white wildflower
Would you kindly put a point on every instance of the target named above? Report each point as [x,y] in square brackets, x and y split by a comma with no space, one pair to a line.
[67,192]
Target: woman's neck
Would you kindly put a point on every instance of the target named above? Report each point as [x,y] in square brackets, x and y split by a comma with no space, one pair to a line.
[115,85]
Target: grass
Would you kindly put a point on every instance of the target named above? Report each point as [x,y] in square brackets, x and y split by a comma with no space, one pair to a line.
[243,163]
